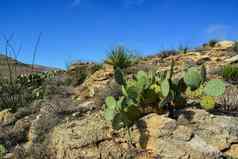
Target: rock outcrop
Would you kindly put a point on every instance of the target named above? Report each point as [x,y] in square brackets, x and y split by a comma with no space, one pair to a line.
[196,134]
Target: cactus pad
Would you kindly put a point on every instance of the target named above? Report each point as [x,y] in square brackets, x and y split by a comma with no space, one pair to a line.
[207,102]
[193,78]
[165,88]
[214,88]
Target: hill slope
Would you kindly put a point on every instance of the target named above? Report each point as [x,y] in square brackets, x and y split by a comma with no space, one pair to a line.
[19,67]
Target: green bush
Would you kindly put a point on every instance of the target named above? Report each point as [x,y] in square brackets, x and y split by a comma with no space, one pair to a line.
[212,42]
[120,57]
[230,73]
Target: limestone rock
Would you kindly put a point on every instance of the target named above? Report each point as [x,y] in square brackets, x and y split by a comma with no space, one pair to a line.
[232,59]
[224,44]
[6,117]
[204,136]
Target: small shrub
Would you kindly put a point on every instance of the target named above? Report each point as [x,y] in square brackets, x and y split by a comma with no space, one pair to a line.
[212,42]
[230,73]
[166,53]
[182,49]
[120,57]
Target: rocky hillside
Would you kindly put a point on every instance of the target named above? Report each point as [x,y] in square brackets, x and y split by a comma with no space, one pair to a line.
[69,122]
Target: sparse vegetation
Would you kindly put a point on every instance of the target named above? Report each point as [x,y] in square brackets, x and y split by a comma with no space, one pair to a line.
[21,91]
[182,49]
[230,73]
[212,42]
[120,57]
[79,71]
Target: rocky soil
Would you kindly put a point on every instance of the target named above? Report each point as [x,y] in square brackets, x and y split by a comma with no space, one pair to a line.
[69,124]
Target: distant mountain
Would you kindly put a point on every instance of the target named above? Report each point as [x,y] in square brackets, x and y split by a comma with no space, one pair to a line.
[19,67]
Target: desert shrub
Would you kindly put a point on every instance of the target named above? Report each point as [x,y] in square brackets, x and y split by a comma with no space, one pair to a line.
[182,49]
[230,73]
[212,42]
[79,76]
[166,53]
[21,91]
[120,57]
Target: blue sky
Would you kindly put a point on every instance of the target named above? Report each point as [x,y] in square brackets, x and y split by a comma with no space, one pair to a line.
[86,29]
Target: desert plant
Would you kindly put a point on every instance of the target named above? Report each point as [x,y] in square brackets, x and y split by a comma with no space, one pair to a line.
[162,90]
[212,42]
[230,73]
[182,49]
[21,91]
[2,151]
[192,78]
[120,57]
[205,90]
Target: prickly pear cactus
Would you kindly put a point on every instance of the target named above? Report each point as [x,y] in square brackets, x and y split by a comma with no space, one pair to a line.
[207,102]
[110,110]
[2,151]
[214,88]
[156,88]
[194,93]
[165,88]
[119,76]
[193,78]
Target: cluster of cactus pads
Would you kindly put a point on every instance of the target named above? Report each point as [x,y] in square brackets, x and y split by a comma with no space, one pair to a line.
[161,90]
[199,87]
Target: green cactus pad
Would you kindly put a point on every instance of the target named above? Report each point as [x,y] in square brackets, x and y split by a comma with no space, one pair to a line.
[165,88]
[2,151]
[141,75]
[207,102]
[108,114]
[141,79]
[193,78]
[214,88]
[111,103]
